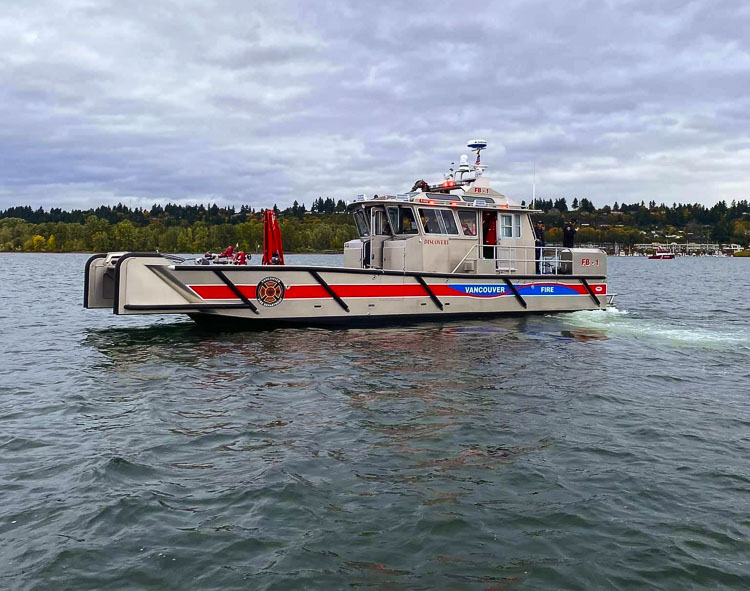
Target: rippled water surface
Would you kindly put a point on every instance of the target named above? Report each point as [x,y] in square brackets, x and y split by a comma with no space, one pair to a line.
[577,451]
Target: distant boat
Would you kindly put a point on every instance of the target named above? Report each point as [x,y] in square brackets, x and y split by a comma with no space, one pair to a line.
[661,254]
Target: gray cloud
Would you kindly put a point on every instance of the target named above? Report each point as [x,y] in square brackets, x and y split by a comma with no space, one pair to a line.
[236,102]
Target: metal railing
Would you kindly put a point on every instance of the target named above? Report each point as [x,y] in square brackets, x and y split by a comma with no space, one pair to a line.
[546,260]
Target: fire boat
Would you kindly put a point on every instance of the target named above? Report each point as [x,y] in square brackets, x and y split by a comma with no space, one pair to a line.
[455,249]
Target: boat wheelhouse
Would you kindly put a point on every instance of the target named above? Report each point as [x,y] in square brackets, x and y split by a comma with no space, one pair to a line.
[455,249]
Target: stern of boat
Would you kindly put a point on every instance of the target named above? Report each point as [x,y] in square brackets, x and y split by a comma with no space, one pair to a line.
[128,283]
[99,280]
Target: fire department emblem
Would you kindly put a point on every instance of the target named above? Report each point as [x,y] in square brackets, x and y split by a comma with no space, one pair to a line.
[270,291]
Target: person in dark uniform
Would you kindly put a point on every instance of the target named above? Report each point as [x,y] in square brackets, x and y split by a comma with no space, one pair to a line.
[569,231]
[539,242]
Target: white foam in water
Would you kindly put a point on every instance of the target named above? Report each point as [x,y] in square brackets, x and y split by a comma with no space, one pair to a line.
[597,317]
[617,322]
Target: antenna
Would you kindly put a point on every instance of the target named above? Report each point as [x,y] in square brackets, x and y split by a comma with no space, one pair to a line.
[477,146]
[533,188]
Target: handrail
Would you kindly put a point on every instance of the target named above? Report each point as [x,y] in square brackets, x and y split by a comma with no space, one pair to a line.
[473,246]
[549,263]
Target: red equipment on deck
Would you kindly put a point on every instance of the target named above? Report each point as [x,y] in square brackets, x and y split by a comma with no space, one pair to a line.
[273,251]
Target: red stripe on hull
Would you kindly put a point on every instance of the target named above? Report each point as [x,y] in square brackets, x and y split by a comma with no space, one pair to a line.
[304,292]
[222,292]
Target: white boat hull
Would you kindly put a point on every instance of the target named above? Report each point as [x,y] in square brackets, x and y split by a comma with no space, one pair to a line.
[275,295]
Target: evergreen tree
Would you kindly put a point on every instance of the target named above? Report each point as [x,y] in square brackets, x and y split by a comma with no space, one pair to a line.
[586,206]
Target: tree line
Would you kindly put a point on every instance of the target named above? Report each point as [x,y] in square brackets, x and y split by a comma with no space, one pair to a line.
[326,226]
[640,222]
[171,228]
[170,214]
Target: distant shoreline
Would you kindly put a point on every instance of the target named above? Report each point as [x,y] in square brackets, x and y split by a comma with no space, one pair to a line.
[253,254]
[258,255]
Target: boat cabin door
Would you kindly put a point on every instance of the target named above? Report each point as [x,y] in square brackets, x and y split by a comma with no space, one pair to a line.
[381,231]
[489,234]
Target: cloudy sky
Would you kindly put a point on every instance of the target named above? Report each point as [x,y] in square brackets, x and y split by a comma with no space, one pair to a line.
[242,101]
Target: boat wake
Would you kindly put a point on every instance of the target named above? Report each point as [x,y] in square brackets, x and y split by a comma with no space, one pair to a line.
[621,323]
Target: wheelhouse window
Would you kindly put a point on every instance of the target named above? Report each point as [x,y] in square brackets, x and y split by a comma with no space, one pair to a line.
[381,227]
[449,221]
[510,225]
[362,227]
[403,220]
[468,221]
[431,221]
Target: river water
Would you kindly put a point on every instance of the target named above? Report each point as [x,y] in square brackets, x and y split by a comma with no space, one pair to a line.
[576,451]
